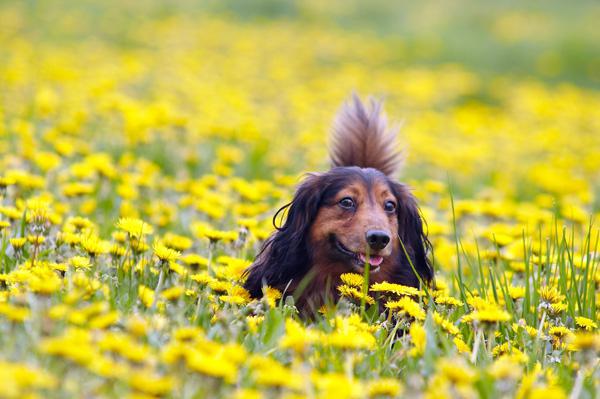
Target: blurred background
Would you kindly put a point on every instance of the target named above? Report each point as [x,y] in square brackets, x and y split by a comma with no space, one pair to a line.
[554,40]
[501,98]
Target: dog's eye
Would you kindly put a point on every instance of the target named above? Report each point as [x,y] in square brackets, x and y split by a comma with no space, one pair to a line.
[389,206]
[346,203]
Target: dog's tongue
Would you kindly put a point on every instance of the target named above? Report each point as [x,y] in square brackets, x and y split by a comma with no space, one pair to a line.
[374,260]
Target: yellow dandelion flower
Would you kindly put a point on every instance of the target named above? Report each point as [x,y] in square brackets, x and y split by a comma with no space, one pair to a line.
[384,387]
[269,372]
[487,313]
[94,246]
[18,243]
[79,223]
[80,262]
[146,295]
[194,260]
[461,346]
[117,250]
[396,289]
[506,368]
[550,295]
[271,295]
[13,312]
[407,306]
[557,308]
[119,236]
[516,292]
[177,242]
[446,300]
[456,371]
[350,333]
[297,337]
[36,240]
[584,341]
[585,323]
[445,324]
[418,337]
[254,322]
[164,253]
[354,294]
[352,279]
[134,227]
[212,365]
[547,392]
[173,293]
[148,382]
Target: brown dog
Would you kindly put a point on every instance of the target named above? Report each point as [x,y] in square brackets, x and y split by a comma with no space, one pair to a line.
[341,219]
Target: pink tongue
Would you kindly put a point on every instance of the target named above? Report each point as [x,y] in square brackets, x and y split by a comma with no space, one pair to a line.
[373,260]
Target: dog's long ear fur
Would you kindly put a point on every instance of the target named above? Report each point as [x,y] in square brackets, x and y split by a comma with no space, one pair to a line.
[360,137]
[285,255]
[414,238]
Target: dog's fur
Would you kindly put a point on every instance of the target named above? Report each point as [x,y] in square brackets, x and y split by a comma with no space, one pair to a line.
[323,237]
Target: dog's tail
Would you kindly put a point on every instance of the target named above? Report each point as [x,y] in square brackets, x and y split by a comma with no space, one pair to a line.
[361,137]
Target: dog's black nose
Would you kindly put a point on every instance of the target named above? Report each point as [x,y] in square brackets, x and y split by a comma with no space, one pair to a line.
[377,239]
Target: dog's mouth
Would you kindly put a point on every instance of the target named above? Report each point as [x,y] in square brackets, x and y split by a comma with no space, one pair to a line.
[359,259]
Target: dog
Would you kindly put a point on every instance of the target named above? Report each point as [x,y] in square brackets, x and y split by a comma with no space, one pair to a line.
[338,221]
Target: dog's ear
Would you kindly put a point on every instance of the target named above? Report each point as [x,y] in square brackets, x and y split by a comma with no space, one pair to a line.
[413,237]
[284,256]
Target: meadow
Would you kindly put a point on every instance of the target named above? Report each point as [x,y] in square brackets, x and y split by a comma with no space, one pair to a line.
[145,150]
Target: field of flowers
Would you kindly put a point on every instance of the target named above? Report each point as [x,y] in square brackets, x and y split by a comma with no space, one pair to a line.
[141,168]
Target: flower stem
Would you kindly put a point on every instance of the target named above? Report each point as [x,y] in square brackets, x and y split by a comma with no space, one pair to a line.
[161,278]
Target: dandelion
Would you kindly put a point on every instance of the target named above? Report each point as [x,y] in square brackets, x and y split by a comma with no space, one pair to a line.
[445,324]
[14,313]
[447,300]
[4,225]
[194,260]
[297,337]
[134,227]
[38,211]
[350,333]
[584,341]
[407,306]
[165,254]
[489,313]
[419,339]
[80,262]
[150,383]
[461,346]
[177,242]
[505,368]
[353,293]
[212,365]
[213,235]
[384,387]
[516,292]
[272,295]
[18,243]
[254,322]
[36,240]
[352,279]
[585,323]
[94,246]
[560,335]
[396,289]
[549,295]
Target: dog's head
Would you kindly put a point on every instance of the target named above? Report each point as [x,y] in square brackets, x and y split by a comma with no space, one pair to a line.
[337,222]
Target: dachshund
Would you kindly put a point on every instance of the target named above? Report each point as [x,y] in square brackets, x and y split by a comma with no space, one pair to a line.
[340,220]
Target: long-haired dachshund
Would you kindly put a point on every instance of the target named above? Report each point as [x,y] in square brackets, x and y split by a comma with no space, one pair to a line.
[341,219]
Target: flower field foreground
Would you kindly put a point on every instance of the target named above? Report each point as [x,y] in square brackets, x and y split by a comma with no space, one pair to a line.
[138,182]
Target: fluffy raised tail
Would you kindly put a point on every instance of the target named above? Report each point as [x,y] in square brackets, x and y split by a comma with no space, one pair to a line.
[361,137]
